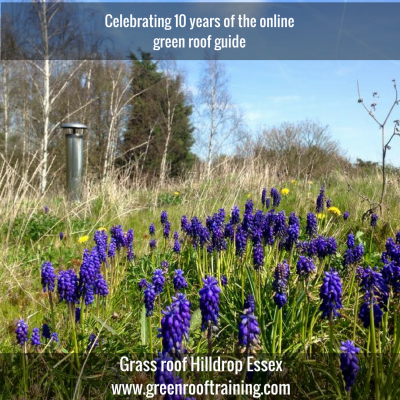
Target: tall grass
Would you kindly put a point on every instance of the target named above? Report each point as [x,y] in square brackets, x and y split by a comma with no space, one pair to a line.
[29,236]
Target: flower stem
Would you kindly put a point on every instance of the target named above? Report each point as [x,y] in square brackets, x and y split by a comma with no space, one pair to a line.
[280,329]
[24,369]
[53,325]
[150,338]
[72,318]
[373,343]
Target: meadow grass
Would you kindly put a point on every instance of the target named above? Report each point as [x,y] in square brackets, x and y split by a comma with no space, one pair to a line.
[30,236]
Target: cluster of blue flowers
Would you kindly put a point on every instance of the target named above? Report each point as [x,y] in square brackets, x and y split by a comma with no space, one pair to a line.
[320,246]
[331,294]
[48,277]
[35,338]
[320,200]
[391,269]
[177,246]
[276,197]
[312,226]
[349,363]
[249,303]
[149,298]
[249,330]
[305,267]
[158,280]
[74,289]
[67,286]
[166,378]
[353,255]
[376,294]
[175,325]
[22,333]
[93,342]
[209,302]
[179,280]
[374,220]
[293,232]
[280,284]
[119,240]
[101,240]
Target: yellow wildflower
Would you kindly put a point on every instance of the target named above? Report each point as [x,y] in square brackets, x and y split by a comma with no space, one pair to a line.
[176,193]
[248,195]
[321,216]
[285,191]
[102,229]
[293,181]
[83,239]
[334,210]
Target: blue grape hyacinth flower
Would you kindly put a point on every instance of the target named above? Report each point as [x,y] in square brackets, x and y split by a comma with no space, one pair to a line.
[21,332]
[48,277]
[349,363]
[158,280]
[179,280]
[305,267]
[320,200]
[249,330]
[280,284]
[67,286]
[276,197]
[331,294]
[149,298]
[312,225]
[35,338]
[209,302]
[249,304]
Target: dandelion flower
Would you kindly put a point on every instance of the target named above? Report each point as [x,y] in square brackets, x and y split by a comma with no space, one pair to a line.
[334,210]
[285,191]
[83,239]
[321,216]
[176,193]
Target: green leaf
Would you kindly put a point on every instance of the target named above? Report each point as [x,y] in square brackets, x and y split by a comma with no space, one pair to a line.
[108,327]
[195,322]
[144,327]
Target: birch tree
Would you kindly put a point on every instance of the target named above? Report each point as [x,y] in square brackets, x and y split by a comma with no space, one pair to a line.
[120,99]
[6,106]
[49,89]
[171,83]
[219,118]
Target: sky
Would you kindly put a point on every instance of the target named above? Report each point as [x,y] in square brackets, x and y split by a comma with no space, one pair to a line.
[272,92]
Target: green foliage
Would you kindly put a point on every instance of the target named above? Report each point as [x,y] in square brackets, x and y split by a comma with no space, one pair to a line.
[32,228]
[146,133]
[169,199]
[121,322]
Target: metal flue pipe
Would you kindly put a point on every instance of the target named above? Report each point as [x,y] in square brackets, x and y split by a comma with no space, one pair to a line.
[74,158]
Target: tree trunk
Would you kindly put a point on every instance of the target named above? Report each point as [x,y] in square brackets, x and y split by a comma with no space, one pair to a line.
[46,126]
[163,172]
[212,129]
[6,109]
